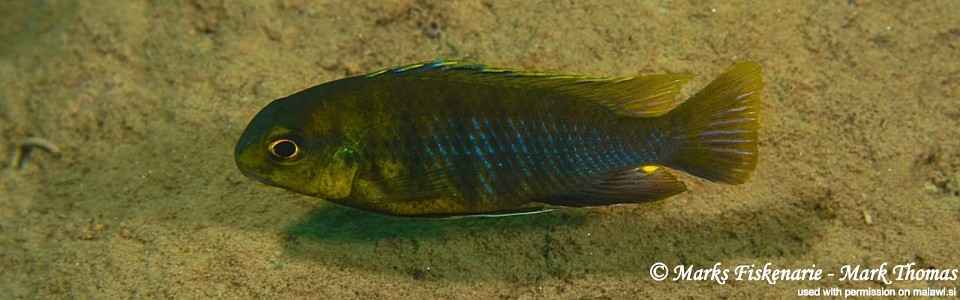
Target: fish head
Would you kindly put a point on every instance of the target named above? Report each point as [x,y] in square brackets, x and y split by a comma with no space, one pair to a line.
[297,149]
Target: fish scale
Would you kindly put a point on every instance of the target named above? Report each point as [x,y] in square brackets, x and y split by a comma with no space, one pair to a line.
[449,138]
[561,160]
[551,164]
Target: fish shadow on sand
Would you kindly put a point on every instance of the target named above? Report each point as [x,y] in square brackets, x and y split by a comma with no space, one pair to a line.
[561,244]
[339,223]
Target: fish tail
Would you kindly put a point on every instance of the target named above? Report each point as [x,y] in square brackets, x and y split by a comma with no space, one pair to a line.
[716,130]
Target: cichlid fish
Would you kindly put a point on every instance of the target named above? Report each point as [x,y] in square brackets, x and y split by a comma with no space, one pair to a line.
[450,138]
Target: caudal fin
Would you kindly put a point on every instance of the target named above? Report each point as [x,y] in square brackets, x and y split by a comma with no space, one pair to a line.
[716,129]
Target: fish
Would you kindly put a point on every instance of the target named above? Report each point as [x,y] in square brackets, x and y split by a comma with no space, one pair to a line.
[457,138]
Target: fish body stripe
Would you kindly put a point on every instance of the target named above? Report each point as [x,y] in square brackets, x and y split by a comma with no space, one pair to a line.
[502,155]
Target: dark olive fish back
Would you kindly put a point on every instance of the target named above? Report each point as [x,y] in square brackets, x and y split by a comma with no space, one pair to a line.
[453,138]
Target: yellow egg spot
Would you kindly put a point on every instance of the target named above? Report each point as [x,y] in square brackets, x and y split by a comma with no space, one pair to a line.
[649,169]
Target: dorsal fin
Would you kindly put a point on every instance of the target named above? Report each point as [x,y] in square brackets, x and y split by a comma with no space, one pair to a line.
[639,96]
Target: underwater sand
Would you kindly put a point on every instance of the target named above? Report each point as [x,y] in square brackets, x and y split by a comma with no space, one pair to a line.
[859,164]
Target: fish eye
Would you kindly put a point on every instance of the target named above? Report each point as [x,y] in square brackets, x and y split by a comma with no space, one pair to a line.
[284,149]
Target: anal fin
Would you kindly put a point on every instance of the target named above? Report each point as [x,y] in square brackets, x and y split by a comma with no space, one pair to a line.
[635,185]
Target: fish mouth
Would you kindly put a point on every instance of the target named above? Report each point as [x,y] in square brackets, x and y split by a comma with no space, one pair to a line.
[254,178]
[241,150]
[249,174]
